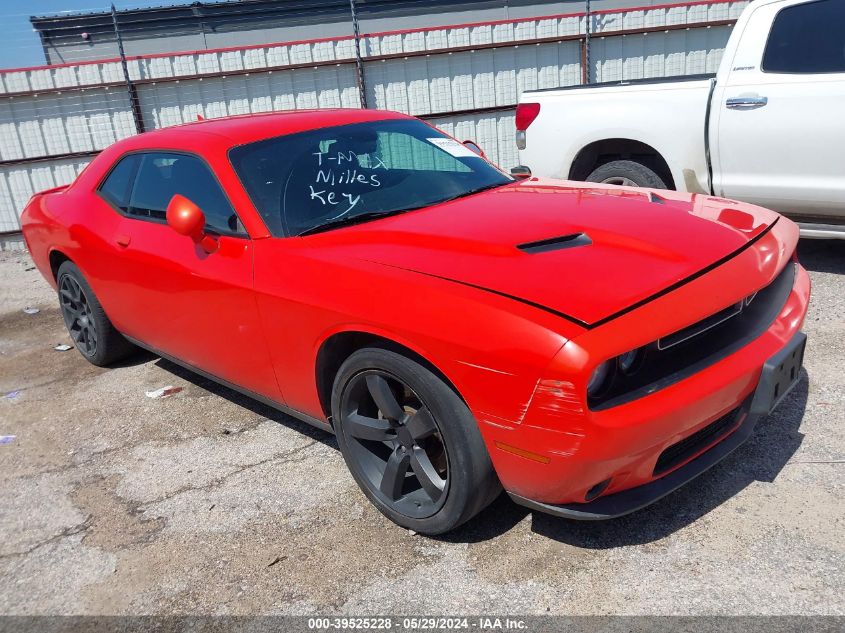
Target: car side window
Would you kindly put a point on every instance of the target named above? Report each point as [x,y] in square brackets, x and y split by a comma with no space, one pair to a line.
[807,38]
[161,175]
[117,186]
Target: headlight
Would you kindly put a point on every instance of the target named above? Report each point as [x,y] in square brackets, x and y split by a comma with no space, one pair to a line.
[629,361]
[601,377]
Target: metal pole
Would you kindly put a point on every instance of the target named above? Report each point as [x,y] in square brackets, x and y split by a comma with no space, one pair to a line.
[130,87]
[587,24]
[359,63]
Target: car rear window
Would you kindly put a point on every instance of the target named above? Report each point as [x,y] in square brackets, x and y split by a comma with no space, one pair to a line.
[117,187]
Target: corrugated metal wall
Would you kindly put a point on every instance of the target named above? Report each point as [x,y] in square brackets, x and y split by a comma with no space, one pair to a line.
[63,123]
[19,182]
[164,29]
[466,79]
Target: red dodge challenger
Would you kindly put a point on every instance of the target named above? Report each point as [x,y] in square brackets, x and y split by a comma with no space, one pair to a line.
[588,348]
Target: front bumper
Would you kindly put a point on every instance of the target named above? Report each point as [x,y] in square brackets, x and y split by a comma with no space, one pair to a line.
[779,375]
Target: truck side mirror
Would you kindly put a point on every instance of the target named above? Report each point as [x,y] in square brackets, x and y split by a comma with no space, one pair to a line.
[473,146]
[521,172]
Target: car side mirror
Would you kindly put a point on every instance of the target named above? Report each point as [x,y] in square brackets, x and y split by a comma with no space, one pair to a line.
[521,172]
[473,146]
[187,219]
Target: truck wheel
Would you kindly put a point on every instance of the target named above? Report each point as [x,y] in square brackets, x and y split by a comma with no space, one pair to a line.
[627,173]
[410,442]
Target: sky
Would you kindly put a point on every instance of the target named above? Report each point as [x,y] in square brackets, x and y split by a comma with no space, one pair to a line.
[20,45]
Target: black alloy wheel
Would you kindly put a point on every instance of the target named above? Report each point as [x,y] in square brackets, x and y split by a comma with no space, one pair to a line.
[395,442]
[78,316]
[92,331]
[410,441]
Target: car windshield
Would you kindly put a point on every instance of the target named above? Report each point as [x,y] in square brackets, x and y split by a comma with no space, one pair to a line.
[322,179]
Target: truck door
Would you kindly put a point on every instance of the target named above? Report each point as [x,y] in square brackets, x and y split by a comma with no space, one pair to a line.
[778,114]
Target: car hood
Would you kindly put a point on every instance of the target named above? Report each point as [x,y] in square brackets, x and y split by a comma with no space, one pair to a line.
[587,252]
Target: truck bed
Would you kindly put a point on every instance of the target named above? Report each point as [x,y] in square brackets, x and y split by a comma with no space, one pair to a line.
[575,123]
[629,82]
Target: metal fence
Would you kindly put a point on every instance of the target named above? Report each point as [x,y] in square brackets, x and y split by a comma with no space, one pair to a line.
[464,78]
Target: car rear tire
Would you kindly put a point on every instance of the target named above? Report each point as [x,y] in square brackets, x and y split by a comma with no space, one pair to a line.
[628,173]
[93,334]
[410,442]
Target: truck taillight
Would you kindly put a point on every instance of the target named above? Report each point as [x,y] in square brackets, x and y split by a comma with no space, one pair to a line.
[525,115]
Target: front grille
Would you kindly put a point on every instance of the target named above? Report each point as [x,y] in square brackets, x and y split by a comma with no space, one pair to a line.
[701,327]
[692,444]
[699,345]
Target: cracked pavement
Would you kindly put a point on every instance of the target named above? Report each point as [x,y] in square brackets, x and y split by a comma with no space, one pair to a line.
[207,502]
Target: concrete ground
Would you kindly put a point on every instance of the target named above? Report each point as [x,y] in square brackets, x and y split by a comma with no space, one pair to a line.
[209,503]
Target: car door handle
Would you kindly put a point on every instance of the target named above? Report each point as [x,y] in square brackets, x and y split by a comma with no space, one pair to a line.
[123,240]
[746,102]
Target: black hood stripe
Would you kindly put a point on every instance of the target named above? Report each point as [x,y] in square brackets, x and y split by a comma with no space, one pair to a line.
[539,306]
[615,315]
[686,280]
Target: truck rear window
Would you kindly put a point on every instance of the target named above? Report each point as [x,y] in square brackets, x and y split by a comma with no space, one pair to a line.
[807,38]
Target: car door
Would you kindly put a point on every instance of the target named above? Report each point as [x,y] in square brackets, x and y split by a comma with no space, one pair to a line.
[168,292]
[780,129]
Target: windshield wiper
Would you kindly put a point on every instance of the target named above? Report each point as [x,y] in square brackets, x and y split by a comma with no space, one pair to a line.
[475,191]
[350,220]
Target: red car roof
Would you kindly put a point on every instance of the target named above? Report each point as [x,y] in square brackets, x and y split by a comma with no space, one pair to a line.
[247,128]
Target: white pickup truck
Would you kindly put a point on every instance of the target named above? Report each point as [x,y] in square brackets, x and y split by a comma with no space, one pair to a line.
[768,128]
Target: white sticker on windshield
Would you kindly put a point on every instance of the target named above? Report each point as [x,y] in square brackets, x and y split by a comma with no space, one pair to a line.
[454,148]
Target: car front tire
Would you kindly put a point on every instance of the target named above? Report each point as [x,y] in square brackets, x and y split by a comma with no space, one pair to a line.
[410,442]
[91,330]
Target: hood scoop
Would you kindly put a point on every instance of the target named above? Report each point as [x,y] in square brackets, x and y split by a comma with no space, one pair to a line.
[555,243]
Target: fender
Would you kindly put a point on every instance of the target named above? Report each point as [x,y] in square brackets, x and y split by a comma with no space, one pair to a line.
[388,335]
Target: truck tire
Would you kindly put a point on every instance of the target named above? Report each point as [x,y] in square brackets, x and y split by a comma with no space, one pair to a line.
[627,173]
